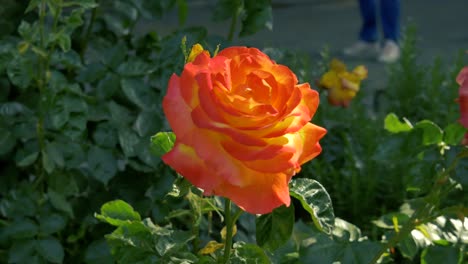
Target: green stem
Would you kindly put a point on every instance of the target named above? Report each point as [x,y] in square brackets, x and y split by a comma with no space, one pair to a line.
[41,83]
[232,28]
[196,241]
[229,225]
[84,41]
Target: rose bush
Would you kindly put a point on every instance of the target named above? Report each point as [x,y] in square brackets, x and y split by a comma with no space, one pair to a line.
[462,80]
[242,127]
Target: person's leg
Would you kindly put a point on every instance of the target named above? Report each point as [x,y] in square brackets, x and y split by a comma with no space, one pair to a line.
[367,45]
[390,12]
[368,10]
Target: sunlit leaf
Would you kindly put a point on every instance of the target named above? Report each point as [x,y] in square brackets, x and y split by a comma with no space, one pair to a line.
[453,134]
[394,125]
[210,247]
[118,213]
[162,142]
[315,200]
[432,134]
[248,253]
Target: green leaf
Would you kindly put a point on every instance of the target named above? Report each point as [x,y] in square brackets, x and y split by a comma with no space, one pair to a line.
[128,141]
[7,141]
[98,252]
[20,71]
[346,231]
[172,242]
[148,123]
[139,93]
[315,200]
[86,4]
[63,40]
[50,249]
[162,142]
[120,17]
[135,67]
[59,202]
[23,228]
[316,246]
[105,135]
[225,9]
[274,229]
[54,153]
[248,253]
[453,134]
[119,114]
[408,247]
[102,164]
[113,54]
[28,154]
[257,20]
[91,73]
[145,154]
[432,133]
[65,182]
[52,223]
[73,21]
[394,125]
[21,251]
[59,115]
[108,86]
[117,213]
[134,242]
[391,220]
[32,5]
[439,254]
[360,252]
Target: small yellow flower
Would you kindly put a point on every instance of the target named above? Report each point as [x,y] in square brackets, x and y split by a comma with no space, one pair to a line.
[342,85]
[196,50]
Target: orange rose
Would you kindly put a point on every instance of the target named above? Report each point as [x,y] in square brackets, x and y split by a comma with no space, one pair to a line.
[242,127]
[462,80]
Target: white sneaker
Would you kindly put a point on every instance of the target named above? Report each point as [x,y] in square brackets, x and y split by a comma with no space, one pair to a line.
[390,52]
[362,49]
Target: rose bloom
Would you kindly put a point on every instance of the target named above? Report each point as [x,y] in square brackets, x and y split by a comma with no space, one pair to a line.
[462,80]
[242,127]
[342,85]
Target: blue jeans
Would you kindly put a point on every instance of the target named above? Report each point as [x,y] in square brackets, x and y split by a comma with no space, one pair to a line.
[390,19]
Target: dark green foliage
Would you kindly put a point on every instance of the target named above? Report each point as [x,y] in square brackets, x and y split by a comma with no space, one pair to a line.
[80,112]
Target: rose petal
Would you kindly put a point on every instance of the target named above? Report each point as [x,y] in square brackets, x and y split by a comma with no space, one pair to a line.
[265,193]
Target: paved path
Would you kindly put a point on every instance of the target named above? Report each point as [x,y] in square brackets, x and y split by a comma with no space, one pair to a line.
[310,25]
